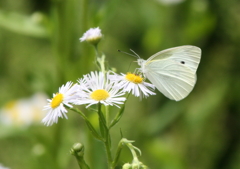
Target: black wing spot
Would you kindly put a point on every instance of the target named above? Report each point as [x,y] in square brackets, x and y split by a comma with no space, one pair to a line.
[182,62]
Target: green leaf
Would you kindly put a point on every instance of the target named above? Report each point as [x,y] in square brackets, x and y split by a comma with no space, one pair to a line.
[117,117]
[89,125]
[34,25]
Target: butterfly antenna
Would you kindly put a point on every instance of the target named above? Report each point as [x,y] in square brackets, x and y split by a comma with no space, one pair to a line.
[135,54]
[126,53]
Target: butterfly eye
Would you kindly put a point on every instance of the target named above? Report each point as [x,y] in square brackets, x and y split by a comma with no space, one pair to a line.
[182,62]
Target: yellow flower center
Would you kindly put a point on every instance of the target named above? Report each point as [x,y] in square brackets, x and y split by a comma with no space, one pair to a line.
[134,78]
[99,94]
[57,100]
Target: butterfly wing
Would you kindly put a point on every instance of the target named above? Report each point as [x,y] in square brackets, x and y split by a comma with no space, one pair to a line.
[173,71]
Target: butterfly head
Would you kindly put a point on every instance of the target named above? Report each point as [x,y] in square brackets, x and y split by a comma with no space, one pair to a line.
[141,62]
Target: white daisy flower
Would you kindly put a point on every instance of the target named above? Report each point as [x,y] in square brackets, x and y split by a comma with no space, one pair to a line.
[92,36]
[56,107]
[96,88]
[23,112]
[133,83]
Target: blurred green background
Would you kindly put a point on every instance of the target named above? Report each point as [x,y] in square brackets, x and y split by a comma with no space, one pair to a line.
[40,51]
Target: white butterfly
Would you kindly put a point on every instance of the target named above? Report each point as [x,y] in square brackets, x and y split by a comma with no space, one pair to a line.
[173,71]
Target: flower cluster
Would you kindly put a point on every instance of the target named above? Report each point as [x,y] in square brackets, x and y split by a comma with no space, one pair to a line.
[99,88]
[96,87]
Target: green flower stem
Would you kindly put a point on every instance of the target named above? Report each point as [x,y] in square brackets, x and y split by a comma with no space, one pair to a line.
[108,150]
[81,163]
[96,51]
[91,128]
[102,121]
[101,63]
[107,137]
[118,153]
[107,115]
[97,57]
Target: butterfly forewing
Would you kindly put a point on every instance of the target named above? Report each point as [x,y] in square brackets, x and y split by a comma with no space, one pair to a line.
[187,55]
[173,71]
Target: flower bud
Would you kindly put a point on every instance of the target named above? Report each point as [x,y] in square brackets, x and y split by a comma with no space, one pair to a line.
[127,166]
[93,36]
[135,166]
[77,149]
